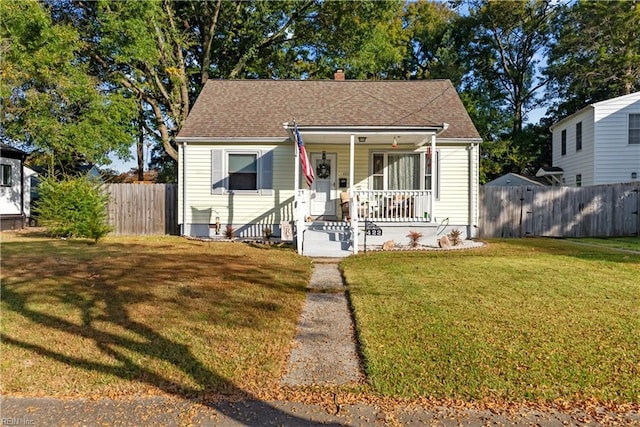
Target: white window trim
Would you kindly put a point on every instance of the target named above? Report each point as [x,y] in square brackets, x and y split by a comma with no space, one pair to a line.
[436,185]
[225,161]
[581,136]
[2,168]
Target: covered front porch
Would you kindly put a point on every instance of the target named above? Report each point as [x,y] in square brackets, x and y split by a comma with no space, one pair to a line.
[383,177]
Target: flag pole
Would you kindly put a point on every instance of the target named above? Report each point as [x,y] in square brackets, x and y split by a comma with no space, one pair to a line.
[299,224]
[296,169]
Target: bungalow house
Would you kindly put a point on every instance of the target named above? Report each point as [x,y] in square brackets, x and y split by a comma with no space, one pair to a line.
[599,144]
[330,164]
[15,188]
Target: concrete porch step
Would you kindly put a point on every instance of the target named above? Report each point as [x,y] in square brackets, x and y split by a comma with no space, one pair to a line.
[327,225]
[327,239]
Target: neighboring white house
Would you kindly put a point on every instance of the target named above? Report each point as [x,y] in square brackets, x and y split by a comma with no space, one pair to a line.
[599,144]
[403,153]
[15,188]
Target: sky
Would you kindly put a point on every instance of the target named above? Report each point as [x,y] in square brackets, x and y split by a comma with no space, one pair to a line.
[126,165]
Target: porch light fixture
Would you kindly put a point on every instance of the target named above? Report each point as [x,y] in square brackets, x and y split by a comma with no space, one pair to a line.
[362,139]
[394,144]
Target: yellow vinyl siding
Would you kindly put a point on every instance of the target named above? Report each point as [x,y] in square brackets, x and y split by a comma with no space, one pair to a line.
[453,202]
[237,208]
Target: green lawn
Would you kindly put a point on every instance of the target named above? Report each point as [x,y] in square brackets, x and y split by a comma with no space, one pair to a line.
[519,320]
[132,316]
[630,243]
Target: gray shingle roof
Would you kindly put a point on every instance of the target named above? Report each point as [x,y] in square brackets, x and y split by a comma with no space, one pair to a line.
[258,108]
[9,151]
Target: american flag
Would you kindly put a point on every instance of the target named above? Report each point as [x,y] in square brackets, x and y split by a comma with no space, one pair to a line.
[307,170]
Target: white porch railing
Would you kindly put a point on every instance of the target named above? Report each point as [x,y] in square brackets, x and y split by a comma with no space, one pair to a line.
[393,205]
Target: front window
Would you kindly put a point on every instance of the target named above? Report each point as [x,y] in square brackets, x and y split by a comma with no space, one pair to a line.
[634,128]
[243,171]
[5,175]
[578,136]
[579,180]
[563,147]
[402,171]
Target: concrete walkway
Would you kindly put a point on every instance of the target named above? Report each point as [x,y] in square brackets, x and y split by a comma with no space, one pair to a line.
[324,351]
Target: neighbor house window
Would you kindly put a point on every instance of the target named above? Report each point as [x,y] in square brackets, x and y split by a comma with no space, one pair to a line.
[563,147]
[578,136]
[579,180]
[634,128]
[243,171]
[5,175]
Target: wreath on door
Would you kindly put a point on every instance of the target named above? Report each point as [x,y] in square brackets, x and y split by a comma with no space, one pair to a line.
[323,170]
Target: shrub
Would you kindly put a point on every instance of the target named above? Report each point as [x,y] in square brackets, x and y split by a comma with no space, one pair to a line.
[454,236]
[414,238]
[73,207]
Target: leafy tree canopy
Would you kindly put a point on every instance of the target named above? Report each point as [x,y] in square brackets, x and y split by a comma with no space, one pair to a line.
[596,54]
[85,78]
[49,99]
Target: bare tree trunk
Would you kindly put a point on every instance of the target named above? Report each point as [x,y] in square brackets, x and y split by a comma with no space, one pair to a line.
[207,42]
[140,145]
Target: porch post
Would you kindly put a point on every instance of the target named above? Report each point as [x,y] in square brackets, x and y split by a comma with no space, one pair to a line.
[473,190]
[352,199]
[296,169]
[434,177]
[185,231]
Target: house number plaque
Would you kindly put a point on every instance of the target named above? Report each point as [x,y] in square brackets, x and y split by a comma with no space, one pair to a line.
[371,229]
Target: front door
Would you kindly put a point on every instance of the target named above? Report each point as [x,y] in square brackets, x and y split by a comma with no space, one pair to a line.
[322,203]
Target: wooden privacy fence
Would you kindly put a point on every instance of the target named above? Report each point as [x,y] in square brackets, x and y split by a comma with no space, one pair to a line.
[596,211]
[143,209]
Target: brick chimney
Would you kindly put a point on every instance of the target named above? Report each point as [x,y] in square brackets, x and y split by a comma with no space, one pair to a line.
[339,74]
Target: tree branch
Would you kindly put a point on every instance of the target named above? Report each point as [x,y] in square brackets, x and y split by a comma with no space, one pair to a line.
[208,42]
[267,41]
